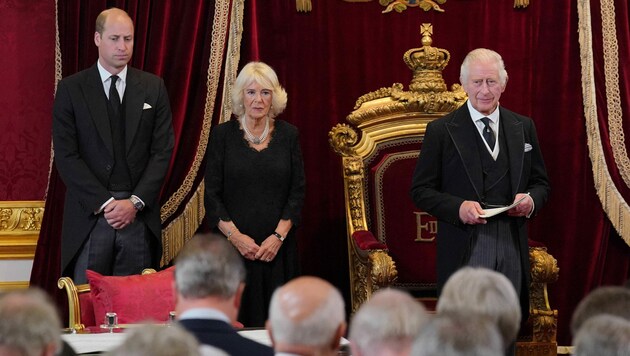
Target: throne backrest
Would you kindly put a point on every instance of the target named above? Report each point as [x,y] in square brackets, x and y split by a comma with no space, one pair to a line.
[379,146]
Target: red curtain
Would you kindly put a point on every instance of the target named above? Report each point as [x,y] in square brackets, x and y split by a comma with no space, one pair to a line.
[172,41]
[329,57]
[339,51]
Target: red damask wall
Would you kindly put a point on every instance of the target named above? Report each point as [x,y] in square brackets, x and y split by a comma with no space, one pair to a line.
[27,68]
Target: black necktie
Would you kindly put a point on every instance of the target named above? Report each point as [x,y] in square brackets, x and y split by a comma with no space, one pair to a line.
[114,98]
[488,133]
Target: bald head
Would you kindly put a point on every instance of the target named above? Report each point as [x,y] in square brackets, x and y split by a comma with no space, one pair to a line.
[306,311]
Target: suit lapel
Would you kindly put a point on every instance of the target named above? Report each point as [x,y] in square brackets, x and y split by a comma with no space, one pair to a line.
[97,104]
[462,131]
[515,140]
[134,102]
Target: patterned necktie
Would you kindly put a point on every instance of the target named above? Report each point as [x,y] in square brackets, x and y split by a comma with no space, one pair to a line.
[114,97]
[488,133]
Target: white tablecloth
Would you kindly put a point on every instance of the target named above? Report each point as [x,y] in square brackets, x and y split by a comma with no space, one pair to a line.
[100,342]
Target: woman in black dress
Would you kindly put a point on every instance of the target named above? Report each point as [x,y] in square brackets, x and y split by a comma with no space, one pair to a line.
[255,186]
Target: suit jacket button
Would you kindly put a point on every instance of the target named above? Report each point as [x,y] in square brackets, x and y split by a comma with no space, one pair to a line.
[108,167]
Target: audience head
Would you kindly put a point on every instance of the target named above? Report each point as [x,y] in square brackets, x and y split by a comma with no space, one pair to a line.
[29,324]
[386,324]
[209,272]
[458,334]
[306,315]
[483,292]
[614,300]
[264,75]
[156,340]
[603,335]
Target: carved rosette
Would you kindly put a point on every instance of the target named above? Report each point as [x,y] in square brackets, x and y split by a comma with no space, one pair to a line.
[342,138]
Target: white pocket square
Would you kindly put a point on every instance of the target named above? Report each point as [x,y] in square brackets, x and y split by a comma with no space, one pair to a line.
[147,106]
[528,147]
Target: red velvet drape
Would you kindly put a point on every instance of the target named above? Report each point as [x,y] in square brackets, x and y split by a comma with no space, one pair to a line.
[172,41]
[329,57]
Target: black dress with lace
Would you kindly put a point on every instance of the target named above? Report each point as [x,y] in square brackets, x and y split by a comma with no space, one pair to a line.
[256,189]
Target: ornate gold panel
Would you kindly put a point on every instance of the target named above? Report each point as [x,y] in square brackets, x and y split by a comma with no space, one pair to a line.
[20,223]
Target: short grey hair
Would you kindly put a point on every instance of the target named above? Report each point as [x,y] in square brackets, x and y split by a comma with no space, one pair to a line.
[208,266]
[603,335]
[157,340]
[614,300]
[390,320]
[29,322]
[484,292]
[483,55]
[318,329]
[264,75]
[457,334]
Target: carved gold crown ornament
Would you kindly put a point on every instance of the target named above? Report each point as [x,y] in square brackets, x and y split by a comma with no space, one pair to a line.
[427,95]
[426,5]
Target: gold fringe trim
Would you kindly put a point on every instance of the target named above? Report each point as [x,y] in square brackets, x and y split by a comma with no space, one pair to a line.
[182,229]
[614,205]
[232,59]
[613,99]
[219,29]
[58,74]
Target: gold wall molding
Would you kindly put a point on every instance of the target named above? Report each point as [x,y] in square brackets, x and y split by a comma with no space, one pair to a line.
[20,223]
[8,286]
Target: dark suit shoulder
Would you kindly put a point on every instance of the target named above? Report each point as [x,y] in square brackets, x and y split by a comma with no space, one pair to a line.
[219,334]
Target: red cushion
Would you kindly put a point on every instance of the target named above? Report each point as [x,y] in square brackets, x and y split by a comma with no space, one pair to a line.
[135,298]
[366,241]
[87,309]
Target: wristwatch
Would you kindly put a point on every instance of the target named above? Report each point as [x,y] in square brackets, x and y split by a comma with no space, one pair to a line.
[280,237]
[137,203]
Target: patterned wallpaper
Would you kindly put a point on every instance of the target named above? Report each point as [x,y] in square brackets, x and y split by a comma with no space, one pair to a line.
[27,68]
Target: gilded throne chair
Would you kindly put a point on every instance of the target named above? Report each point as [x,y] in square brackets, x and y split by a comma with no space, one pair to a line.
[390,241]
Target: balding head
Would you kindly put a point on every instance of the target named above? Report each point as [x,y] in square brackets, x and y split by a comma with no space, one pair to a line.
[308,312]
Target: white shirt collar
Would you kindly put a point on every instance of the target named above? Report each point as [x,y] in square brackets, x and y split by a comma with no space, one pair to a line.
[204,313]
[122,76]
[476,115]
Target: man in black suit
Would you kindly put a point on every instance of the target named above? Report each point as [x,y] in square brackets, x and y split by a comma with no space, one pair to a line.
[113,140]
[482,156]
[209,283]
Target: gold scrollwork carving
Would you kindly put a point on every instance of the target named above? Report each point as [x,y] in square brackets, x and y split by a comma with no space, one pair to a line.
[20,219]
[402,5]
[342,138]
[384,271]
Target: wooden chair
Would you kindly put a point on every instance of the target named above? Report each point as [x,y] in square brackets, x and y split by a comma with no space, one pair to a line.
[390,241]
[80,305]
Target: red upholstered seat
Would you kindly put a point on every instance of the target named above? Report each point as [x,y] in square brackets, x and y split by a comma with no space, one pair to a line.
[134,298]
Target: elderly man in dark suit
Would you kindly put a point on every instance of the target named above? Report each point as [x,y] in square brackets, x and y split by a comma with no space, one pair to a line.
[113,140]
[478,157]
[209,283]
